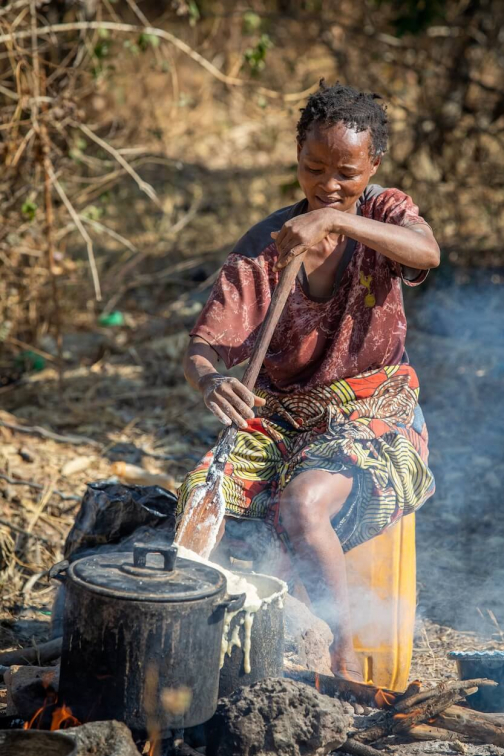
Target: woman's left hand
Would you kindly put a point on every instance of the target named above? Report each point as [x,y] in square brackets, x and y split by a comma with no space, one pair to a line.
[302,232]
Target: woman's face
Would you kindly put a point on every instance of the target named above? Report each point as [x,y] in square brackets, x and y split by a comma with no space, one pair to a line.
[334,166]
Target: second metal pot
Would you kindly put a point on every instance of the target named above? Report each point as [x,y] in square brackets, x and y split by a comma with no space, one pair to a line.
[264,657]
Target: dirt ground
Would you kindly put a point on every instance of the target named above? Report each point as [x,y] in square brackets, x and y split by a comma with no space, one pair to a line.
[123,395]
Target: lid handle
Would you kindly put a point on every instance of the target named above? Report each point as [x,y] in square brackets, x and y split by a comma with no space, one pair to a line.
[141,550]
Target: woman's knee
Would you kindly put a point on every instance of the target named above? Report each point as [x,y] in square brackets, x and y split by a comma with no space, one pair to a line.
[311,500]
[301,509]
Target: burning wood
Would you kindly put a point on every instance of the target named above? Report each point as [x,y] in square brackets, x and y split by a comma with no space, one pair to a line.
[405,713]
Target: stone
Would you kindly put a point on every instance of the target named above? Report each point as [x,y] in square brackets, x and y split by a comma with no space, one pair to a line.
[277,717]
[28,688]
[109,738]
[307,638]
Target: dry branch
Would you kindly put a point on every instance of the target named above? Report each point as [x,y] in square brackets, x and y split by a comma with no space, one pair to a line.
[335,686]
[37,430]
[426,732]
[89,243]
[142,185]
[406,704]
[40,655]
[168,37]
[471,724]
[440,698]
[26,533]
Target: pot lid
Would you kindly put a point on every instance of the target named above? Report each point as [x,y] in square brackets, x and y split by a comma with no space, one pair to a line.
[150,573]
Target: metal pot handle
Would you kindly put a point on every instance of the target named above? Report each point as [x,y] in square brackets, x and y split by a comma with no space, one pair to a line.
[141,550]
[233,603]
[58,571]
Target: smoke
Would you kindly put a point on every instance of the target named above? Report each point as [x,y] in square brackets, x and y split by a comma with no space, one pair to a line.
[456,344]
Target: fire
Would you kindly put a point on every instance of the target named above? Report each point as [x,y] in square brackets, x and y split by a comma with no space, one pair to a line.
[61,716]
[384,699]
[409,715]
[154,747]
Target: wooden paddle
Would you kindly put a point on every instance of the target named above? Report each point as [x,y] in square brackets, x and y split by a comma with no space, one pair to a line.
[205,509]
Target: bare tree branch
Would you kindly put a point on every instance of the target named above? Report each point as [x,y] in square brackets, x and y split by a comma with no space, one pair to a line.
[168,37]
[143,185]
[89,243]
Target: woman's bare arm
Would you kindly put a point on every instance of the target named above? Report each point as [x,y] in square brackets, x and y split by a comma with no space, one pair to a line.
[228,399]
[413,246]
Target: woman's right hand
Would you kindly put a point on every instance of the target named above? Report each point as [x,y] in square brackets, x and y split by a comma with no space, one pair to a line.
[228,399]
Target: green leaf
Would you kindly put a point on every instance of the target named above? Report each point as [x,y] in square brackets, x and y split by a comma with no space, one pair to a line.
[147,40]
[29,208]
[131,46]
[103,33]
[101,50]
[251,22]
[93,212]
[194,12]
[255,57]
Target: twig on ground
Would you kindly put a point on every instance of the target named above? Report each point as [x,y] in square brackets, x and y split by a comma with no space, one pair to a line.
[39,487]
[44,500]
[24,532]
[40,655]
[37,430]
[30,348]
[110,232]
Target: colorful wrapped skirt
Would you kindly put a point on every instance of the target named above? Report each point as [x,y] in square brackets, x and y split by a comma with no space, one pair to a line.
[370,426]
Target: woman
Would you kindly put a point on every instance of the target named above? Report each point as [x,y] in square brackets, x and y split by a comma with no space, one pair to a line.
[338,451]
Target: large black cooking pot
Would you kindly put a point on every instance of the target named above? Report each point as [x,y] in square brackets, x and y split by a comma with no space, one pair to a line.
[142,636]
[34,743]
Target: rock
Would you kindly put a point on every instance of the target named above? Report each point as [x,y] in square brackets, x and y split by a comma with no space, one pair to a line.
[28,688]
[277,717]
[307,638]
[103,739]
[26,454]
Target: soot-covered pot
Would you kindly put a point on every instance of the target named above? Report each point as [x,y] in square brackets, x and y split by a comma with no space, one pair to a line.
[142,637]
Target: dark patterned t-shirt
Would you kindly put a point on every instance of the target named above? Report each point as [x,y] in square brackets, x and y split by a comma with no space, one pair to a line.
[361,327]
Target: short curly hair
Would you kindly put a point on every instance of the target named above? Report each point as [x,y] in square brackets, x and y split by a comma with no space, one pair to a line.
[345,104]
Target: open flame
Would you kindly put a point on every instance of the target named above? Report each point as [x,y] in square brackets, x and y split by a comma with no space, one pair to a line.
[154,746]
[61,716]
[384,699]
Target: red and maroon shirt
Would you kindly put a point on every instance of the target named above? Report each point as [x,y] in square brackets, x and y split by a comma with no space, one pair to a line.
[361,327]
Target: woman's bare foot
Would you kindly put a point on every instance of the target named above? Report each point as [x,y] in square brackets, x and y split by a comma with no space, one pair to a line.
[345,663]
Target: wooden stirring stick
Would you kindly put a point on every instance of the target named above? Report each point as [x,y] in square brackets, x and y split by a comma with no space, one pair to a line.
[205,509]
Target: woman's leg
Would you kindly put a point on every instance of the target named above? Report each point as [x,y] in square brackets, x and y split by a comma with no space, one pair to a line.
[308,504]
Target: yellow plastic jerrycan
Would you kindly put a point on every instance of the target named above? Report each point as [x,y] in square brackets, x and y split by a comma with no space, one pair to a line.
[382,586]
